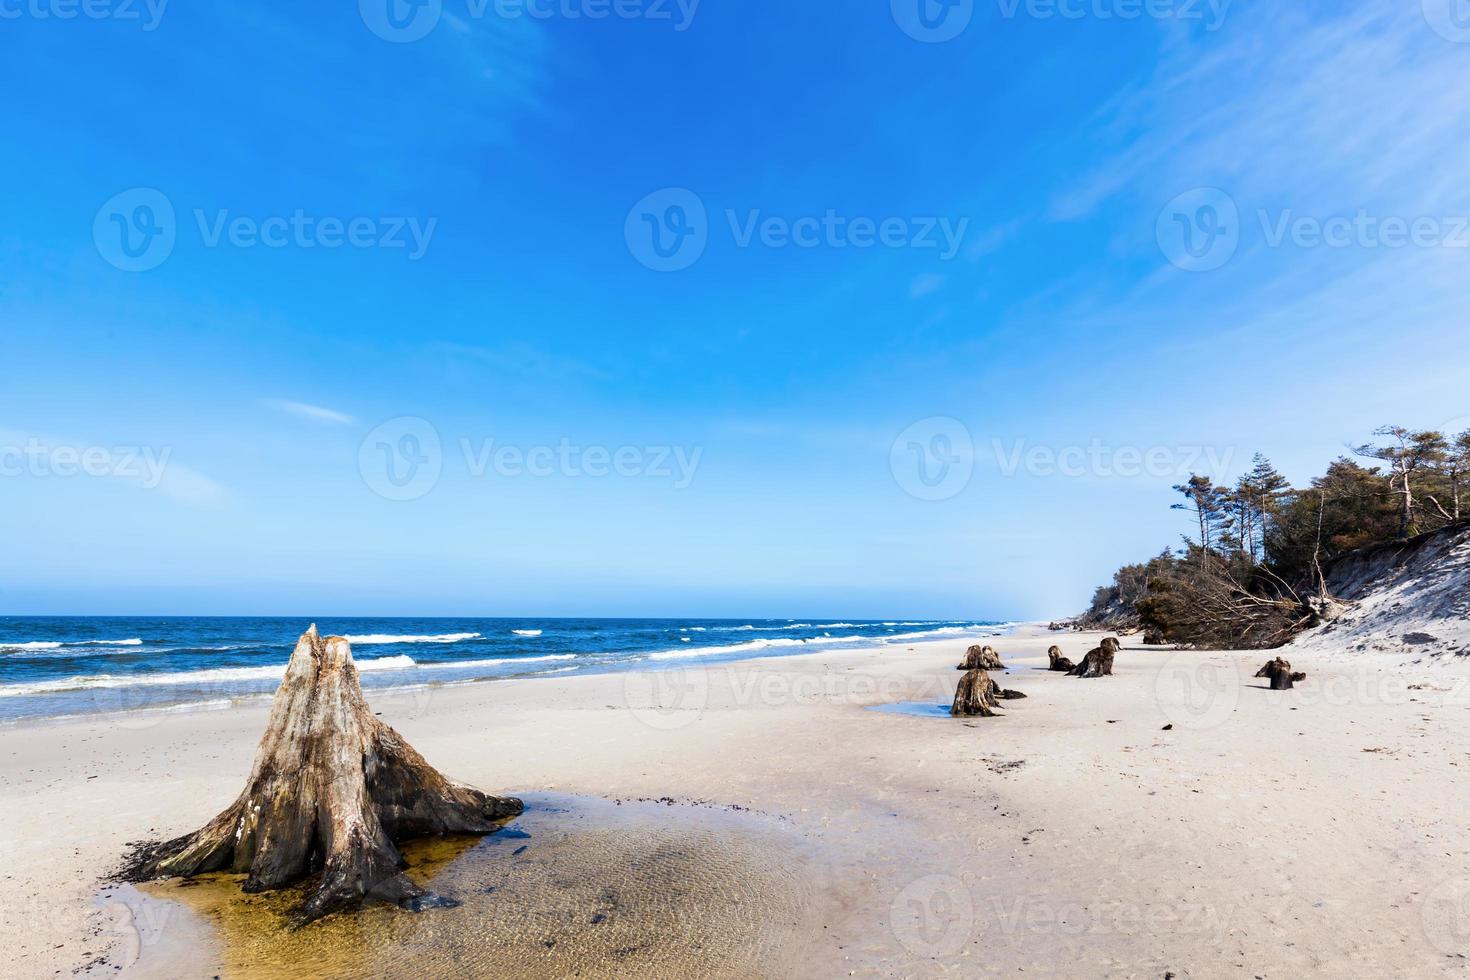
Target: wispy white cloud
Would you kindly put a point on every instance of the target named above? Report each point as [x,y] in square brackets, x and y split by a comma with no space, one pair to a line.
[925,284]
[306,411]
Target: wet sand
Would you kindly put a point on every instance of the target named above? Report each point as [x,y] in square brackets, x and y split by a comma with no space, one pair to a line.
[1315,832]
[574,887]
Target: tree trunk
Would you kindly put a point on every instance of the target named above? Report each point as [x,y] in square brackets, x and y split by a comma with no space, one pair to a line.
[331,790]
[1097,663]
[1058,662]
[1281,675]
[975,696]
[981,658]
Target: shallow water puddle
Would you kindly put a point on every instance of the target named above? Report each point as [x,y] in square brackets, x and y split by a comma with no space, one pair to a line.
[915,709]
[574,886]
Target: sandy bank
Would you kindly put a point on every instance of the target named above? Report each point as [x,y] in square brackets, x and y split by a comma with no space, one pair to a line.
[1317,831]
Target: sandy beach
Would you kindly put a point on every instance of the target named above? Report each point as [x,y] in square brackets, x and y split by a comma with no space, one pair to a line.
[1268,834]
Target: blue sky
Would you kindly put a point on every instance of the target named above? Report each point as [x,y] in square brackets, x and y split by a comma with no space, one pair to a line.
[809,389]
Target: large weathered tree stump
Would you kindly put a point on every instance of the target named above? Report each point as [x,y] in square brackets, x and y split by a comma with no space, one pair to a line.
[1281,675]
[331,791]
[1097,663]
[979,694]
[981,658]
[1057,662]
[975,696]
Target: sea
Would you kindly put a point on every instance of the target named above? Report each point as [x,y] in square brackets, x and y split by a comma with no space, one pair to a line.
[60,666]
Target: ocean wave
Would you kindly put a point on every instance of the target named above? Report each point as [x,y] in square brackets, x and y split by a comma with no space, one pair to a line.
[215,675]
[751,646]
[382,639]
[498,661]
[526,632]
[60,645]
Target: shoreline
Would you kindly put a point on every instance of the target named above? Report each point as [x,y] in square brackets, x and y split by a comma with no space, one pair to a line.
[1074,836]
[672,659]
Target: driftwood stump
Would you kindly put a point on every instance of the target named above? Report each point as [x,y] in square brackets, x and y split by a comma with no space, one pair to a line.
[1097,663]
[981,658]
[979,694]
[1154,638]
[975,696]
[1281,675]
[331,790]
[1058,662]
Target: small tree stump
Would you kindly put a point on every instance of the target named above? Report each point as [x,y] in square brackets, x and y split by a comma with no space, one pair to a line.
[1097,663]
[1281,675]
[1057,662]
[331,790]
[981,658]
[1154,638]
[975,696]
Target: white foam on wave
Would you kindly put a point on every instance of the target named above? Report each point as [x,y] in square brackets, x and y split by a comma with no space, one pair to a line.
[526,632]
[216,675]
[499,661]
[751,646]
[60,645]
[382,639]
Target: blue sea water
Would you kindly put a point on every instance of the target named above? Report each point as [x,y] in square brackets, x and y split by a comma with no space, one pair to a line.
[58,666]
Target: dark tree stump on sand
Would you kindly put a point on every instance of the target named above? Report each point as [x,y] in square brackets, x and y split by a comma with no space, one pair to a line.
[1154,638]
[1058,662]
[1280,673]
[979,694]
[331,790]
[981,658]
[975,696]
[1097,663]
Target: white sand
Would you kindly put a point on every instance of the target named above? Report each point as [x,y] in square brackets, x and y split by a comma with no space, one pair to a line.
[1318,832]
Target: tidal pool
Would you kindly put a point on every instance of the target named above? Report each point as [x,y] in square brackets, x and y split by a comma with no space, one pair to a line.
[573,887]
